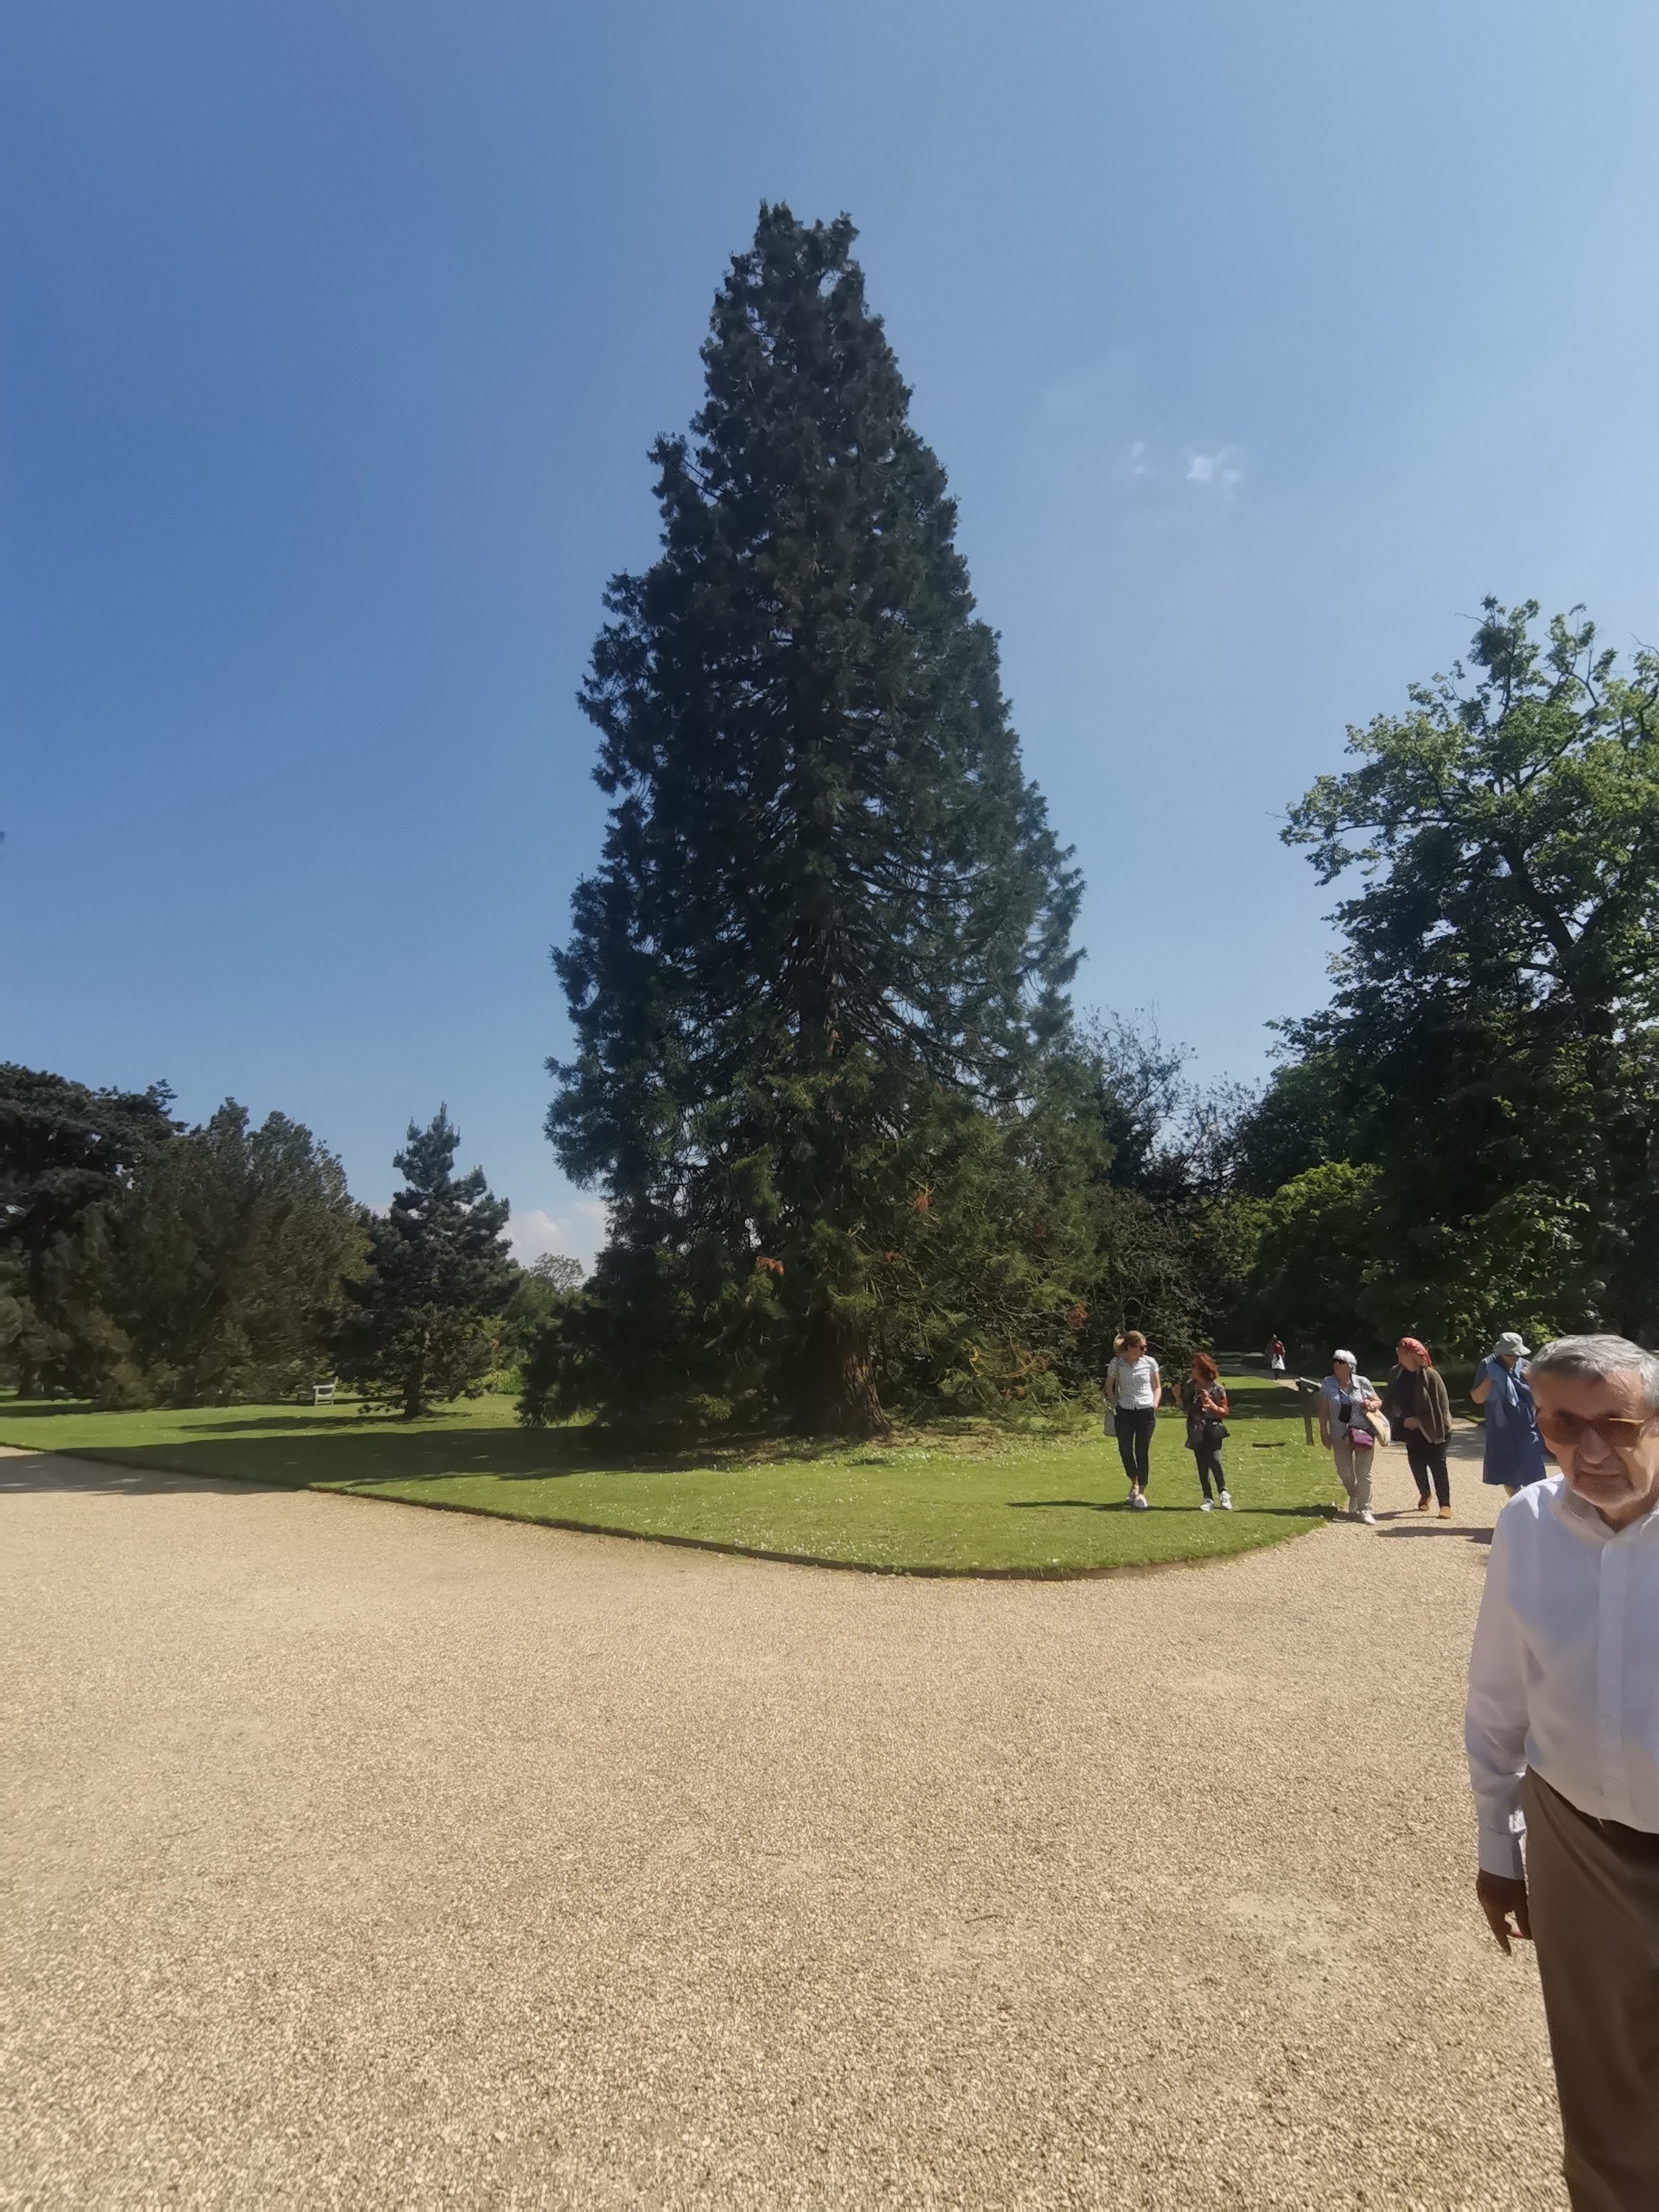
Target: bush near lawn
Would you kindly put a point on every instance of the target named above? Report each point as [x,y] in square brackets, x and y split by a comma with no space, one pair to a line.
[972,1498]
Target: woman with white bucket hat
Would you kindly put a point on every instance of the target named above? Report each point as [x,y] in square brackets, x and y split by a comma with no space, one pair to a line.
[1512,1452]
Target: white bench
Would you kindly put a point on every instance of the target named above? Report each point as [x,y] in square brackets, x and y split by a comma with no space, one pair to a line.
[322,1393]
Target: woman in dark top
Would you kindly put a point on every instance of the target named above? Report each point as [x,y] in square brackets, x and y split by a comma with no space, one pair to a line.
[1205,1404]
[1417,1404]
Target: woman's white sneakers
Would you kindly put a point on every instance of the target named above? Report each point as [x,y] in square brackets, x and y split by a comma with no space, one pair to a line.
[1139,1501]
[1204,1506]
[1226,1501]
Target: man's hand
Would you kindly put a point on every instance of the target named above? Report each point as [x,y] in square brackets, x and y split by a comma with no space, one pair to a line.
[1411,1421]
[1502,1899]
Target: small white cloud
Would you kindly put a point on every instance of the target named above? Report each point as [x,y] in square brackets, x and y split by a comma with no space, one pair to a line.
[1138,464]
[579,1232]
[1220,468]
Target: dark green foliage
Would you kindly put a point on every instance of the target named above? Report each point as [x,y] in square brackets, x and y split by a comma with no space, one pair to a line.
[1305,1118]
[541,1293]
[830,923]
[1132,1093]
[16,1314]
[424,1323]
[1320,1238]
[143,1263]
[67,1155]
[1493,1042]
[234,1245]
[1011,1271]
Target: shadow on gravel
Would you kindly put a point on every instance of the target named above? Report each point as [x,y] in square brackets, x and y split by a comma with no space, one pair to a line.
[1453,1534]
[41,1472]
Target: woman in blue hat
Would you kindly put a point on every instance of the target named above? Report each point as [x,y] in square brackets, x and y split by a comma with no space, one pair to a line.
[1513,1451]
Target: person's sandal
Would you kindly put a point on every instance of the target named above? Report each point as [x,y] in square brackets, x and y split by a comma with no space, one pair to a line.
[1445,1513]
[1422,1504]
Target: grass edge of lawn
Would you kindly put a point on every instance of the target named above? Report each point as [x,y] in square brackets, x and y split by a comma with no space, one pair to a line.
[1318,1517]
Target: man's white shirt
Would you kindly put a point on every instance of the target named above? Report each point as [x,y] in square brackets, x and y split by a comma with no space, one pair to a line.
[1564,1674]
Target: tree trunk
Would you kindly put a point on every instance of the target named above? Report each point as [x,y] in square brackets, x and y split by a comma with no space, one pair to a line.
[839,1397]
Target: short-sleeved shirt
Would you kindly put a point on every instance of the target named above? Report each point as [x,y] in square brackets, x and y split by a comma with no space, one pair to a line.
[1132,1383]
[1342,1402]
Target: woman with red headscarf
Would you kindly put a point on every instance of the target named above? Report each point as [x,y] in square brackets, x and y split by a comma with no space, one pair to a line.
[1417,1406]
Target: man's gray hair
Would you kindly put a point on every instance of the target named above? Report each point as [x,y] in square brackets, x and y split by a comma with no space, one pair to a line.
[1596,1358]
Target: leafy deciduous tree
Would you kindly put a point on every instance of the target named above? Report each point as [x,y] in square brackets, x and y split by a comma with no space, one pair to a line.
[1496,1015]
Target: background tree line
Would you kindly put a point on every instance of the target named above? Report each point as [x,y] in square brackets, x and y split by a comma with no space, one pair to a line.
[859,1154]
[1467,1137]
[145,1263]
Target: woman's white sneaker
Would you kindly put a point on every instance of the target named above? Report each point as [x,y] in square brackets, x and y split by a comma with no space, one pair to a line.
[1204,1506]
[1226,1501]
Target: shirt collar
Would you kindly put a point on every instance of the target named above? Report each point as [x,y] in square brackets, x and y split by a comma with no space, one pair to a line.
[1577,1513]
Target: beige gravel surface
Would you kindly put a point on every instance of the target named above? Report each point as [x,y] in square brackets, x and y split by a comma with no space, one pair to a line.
[362,1856]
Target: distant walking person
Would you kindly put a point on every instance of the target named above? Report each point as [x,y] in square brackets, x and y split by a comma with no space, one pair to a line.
[1512,1451]
[1275,1356]
[1345,1398]
[1134,1391]
[1205,1404]
[1417,1403]
[1562,1731]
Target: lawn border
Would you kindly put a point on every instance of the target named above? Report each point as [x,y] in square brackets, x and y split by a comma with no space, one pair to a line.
[1321,1518]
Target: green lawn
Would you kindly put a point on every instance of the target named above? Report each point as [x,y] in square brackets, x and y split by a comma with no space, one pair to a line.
[975,1499]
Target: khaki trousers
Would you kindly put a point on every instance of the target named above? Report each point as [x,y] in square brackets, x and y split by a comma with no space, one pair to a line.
[1354,1467]
[1593,1888]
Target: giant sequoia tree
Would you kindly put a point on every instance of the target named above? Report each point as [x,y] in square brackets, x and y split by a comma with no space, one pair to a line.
[830,919]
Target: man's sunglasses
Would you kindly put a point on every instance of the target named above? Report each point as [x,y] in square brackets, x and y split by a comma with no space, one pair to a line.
[1566,1432]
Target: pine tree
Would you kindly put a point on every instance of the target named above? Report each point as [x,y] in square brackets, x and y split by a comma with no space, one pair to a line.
[439,1274]
[830,916]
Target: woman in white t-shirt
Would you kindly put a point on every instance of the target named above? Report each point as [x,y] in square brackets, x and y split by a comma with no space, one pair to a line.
[1134,1390]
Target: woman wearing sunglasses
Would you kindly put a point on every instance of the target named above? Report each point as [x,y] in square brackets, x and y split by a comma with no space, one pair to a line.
[1562,1729]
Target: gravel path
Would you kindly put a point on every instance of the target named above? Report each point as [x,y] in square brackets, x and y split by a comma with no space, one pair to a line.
[368,1858]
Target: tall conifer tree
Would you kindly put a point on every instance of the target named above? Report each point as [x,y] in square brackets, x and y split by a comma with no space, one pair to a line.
[420,1328]
[830,914]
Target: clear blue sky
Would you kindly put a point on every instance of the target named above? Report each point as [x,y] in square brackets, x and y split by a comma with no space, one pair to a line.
[1259,341]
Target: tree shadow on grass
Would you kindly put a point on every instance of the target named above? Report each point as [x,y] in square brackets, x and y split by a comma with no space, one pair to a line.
[302,1448]
[296,1454]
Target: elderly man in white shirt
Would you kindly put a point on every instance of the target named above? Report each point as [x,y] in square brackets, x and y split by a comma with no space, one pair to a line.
[1563,1737]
